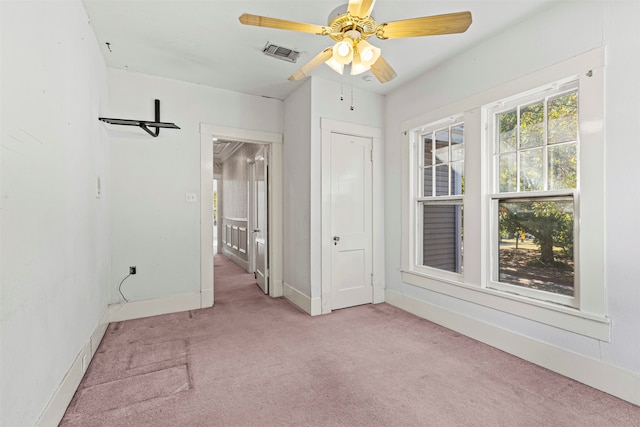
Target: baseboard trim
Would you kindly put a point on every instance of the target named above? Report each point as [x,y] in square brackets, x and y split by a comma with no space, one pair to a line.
[153,307]
[55,409]
[307,304]
[614,380]
[242,263]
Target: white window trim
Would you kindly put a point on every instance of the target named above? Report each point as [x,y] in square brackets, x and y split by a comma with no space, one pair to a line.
[590,319]
[418,161]
[494,195]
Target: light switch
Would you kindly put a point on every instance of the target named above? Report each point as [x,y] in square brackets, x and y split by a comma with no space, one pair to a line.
[191,198]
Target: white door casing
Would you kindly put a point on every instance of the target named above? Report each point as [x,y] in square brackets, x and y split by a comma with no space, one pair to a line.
[351,215]
[274,204]
[329,127]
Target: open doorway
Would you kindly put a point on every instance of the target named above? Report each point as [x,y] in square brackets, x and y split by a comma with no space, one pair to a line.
[247,166]
[242,212]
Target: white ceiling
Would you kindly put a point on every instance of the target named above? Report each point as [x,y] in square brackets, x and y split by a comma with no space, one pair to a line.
[203,41]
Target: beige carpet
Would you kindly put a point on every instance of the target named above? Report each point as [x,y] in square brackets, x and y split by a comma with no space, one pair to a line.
[257,361]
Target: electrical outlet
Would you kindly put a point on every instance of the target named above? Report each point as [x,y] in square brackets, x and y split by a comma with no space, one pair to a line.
[132,270]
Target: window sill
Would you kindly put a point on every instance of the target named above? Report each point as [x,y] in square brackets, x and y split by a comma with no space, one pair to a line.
[566,318]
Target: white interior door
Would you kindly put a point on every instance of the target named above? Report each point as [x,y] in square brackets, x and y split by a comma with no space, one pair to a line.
[351,221]
[260,231]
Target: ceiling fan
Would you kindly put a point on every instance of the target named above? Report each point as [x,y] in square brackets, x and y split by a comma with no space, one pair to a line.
[352,28]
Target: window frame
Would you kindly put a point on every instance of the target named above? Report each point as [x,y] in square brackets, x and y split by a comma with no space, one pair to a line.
[590,317]
[517,101]
[420,200]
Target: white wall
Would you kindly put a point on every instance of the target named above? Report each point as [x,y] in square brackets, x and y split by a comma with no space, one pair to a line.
[315,99]
[235,182]
[532,45]
[296,189]
[152,226]
[55,231]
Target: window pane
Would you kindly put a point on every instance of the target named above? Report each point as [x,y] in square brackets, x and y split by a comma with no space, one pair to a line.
[428,181]
[442,146]
[457,152]
[428,157]
[457,141]
[563,118]
[507,135]
[442,237]
[442,180]
[532,125]
[531,167]
[536,244]
[457,178]
[563,166]
[508,173]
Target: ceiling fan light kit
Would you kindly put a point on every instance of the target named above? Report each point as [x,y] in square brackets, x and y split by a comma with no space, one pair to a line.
[352,49]
[358,67]
[343,51]
[368,53]
[350,31]
[334,65]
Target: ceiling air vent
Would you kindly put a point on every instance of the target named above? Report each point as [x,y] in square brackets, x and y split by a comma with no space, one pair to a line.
[280,52]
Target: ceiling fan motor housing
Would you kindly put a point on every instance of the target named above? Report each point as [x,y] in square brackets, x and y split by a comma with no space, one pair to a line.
[342,24]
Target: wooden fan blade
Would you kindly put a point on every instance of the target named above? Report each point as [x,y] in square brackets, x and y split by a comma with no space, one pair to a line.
[360,8]
[281,24]
[307,68]
[382,70]
[450,23]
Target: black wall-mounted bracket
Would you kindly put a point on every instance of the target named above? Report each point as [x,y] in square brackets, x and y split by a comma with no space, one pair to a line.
[144,124]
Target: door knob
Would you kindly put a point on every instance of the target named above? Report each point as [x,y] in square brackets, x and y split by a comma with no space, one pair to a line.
[257,230]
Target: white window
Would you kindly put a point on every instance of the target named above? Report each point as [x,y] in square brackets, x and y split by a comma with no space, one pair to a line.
[438,199]
[525,163]
[535,170]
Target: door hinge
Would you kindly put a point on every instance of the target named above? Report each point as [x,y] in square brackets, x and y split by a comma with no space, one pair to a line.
[371,155]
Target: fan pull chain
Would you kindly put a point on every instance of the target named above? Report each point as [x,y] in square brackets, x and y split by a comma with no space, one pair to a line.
[341,96]
[352,107]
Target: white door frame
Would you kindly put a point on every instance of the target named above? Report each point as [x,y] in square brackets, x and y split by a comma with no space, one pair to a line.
[274,194]
[332,126]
